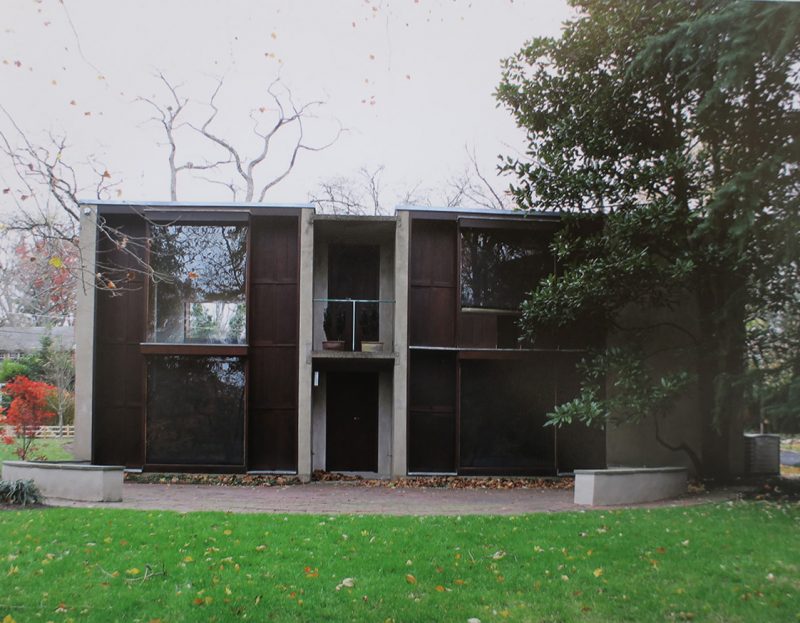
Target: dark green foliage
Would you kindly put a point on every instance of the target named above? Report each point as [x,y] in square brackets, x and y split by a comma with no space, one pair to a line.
[19,492]
[675,123]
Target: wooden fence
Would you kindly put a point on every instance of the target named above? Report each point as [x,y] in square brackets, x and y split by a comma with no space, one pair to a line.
[52,432]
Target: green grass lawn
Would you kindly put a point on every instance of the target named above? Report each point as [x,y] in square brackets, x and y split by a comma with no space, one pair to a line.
[52,449]
[733,562]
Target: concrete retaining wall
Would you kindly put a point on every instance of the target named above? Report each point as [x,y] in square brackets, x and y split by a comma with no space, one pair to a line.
[628,485]
[70,481]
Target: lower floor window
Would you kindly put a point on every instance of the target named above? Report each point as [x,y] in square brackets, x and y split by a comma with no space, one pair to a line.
[195,410]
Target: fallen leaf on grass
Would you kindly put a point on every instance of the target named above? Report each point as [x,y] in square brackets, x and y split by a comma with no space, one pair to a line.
[410,579]
[597,572]
[346,583]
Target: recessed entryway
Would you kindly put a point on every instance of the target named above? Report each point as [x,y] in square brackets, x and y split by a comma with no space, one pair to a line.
[352,421]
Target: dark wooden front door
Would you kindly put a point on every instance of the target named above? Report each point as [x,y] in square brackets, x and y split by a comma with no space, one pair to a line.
[352,421]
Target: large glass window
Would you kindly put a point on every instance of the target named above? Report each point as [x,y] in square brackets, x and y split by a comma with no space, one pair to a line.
[499,266]
[195,410]
[198,292]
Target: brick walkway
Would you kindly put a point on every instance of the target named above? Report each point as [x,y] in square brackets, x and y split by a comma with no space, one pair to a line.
[337,497]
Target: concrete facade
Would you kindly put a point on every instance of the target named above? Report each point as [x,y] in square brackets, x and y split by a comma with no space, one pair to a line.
[84,338]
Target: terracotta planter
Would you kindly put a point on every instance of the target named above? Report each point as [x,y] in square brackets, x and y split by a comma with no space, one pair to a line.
[333,345]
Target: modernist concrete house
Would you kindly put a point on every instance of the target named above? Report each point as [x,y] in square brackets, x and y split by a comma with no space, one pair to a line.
[274,339]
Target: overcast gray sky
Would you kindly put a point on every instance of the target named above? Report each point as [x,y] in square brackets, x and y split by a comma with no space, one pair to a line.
[410,80]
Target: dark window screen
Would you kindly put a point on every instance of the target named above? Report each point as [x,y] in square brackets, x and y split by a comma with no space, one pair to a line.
[503,407]
[499,266]
[195,410]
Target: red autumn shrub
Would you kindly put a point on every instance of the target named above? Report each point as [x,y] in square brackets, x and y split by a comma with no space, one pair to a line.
[28,411]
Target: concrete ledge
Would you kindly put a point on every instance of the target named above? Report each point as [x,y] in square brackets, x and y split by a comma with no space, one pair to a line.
[628,485]
[70,481]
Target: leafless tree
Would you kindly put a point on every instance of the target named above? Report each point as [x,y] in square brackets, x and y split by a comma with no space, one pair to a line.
[471,188]
[288,118]
[361,194]
[59,371]
[44,192]
[168,116]
[364,193]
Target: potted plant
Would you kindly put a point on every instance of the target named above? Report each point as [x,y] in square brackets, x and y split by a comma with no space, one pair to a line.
[369,323]
[333,322]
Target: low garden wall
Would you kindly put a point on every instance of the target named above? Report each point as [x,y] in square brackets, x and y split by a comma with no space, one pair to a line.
[628,485]
[70,481]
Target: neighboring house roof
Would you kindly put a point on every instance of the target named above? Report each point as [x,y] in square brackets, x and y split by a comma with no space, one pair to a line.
[28,339]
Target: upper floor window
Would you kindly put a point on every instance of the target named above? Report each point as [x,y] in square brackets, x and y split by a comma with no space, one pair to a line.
[198,291]
[499,266]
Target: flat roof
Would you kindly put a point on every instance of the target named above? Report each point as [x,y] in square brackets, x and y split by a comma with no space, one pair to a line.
[193,204]
[487,212]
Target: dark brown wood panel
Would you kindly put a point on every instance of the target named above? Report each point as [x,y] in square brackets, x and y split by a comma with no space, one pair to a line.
[432,409]
[272,437]
[432,256]
[118,423]
[432,283]
[431,448]
[273,249]
[120,430]
[431,316]
[274,314]
[273,378]
[477,330]
[272,336]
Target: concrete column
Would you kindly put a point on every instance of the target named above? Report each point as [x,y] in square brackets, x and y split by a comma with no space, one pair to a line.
[304,339]
[400,408]
[84,336]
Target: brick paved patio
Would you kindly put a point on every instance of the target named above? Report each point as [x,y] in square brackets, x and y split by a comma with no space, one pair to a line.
[339,497]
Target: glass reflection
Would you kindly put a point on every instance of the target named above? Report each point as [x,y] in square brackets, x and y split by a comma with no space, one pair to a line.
[198,292]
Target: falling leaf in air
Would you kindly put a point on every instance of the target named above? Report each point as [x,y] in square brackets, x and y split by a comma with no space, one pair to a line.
[18,63]
[274,35]
[87,114]
[411,579]
[73,103]
[372,57]
[408,76]
[6,191]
